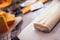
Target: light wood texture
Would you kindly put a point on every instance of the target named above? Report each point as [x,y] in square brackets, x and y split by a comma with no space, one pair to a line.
[47,21]
[29,33]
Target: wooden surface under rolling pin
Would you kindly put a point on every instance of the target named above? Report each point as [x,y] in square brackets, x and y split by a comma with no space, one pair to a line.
[29,33]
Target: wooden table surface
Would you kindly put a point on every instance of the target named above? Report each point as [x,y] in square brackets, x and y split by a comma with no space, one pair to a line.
[29,17]
[29,33]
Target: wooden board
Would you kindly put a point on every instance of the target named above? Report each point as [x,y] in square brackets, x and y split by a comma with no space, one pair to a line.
[29,33]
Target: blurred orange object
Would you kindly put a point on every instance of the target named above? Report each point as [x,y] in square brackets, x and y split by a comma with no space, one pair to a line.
[6,20]
[5,3]
[3,25]
[10,19]
[25,10]
[44,1]
[4,14]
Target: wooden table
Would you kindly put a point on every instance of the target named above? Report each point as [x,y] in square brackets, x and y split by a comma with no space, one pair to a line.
[29,17]
[29,33]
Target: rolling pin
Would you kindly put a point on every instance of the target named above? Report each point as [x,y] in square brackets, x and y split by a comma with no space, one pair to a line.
[33,6]
[49,19]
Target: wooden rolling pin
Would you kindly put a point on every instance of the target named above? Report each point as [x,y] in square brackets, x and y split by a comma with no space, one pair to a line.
[49,19]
